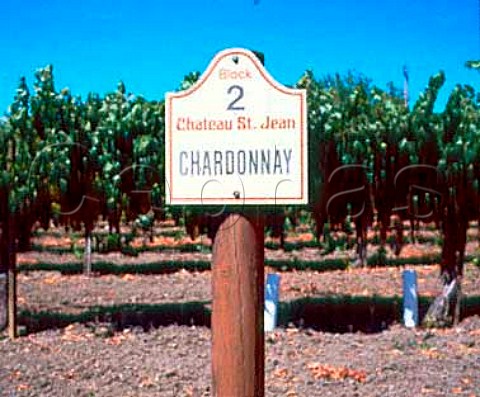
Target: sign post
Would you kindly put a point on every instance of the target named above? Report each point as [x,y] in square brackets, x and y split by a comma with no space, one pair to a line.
[237,316]
[237,139]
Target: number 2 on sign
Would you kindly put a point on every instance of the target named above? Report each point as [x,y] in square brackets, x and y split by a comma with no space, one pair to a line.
[238,91]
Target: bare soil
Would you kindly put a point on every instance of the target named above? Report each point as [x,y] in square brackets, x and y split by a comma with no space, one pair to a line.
[96,359]
[86,361]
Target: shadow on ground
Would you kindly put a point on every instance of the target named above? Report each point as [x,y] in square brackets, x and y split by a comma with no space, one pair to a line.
[338,314]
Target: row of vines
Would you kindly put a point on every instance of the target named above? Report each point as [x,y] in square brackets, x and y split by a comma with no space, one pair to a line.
[74,161]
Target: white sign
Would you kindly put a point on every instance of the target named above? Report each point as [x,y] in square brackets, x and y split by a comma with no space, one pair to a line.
[236,137]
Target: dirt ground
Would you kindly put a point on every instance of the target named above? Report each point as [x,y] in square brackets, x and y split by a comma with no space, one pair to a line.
[87,361]
[96,359]
[52,291]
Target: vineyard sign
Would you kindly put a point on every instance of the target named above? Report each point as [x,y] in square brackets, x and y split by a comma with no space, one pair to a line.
[236,137]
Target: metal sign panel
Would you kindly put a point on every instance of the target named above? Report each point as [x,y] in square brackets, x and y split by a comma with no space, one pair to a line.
[236,137]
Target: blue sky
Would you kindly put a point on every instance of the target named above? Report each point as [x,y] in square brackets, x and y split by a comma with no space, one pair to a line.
[151,45]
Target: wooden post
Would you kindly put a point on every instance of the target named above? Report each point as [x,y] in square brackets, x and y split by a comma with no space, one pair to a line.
[3,301]
[4,259]
[87,256]
[12,302]
[12,278]
[237,318]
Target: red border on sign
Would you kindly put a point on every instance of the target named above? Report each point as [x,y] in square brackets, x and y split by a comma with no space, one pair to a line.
[273,84]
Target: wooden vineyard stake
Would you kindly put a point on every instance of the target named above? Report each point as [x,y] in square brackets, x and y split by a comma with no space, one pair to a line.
[237,317]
